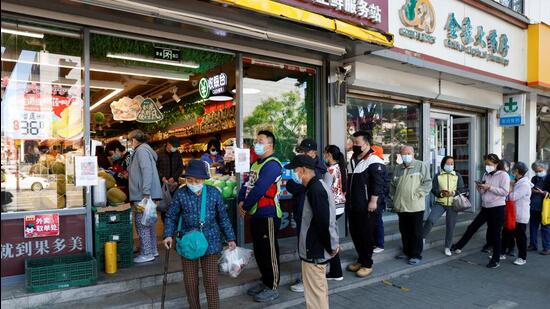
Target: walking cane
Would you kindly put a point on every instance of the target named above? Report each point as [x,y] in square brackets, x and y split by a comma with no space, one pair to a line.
[165,278]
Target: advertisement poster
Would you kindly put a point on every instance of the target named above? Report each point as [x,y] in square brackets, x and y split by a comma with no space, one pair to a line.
[85,171]
[41,225]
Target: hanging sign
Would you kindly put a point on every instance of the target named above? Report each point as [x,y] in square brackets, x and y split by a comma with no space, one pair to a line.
[41,225]
[212,85]
[418,17]
[165,53]
[149,112]
[126,109]
[32,119]
[512,112]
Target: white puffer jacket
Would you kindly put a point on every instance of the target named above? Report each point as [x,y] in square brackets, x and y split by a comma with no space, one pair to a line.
[521,195]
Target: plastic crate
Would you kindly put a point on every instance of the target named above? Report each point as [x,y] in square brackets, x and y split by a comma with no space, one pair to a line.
[123,235]
[124,258]
[59,272]
[113,218]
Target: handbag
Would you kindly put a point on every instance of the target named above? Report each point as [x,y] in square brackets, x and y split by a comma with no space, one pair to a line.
[461,203]
[193,244]
[510,215]
[164,204]
[546,210]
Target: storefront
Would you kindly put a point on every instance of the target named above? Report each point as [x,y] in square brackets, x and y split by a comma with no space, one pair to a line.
[80,79]
[440,88]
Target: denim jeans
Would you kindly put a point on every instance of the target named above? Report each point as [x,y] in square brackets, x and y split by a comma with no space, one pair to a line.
[534,224]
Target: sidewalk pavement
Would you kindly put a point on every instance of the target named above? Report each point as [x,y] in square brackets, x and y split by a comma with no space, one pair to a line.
[462,283]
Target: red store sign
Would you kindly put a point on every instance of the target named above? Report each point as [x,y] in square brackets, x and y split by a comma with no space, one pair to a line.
[16,247]
[41,225]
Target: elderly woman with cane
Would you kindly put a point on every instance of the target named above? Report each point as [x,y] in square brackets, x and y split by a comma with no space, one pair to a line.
[199,208]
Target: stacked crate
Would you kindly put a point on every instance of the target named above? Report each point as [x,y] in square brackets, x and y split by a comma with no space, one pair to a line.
[113,226]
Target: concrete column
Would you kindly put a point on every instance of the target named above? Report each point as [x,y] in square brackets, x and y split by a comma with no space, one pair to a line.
[494,134]
[337,130]
[527,148]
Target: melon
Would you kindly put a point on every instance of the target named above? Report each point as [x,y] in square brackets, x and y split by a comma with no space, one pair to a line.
[61,185]
[58,168]
[60,201]
[110,181]
[116,196]
[227,192]
[39,168]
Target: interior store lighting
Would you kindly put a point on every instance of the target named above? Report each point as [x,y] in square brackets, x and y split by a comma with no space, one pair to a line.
[106,98]
[248,91]
[23,33]
[155,61]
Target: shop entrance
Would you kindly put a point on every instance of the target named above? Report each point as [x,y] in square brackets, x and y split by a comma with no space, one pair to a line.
[455,135]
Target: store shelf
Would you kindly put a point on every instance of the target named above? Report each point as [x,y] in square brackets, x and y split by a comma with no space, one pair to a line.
[229,130]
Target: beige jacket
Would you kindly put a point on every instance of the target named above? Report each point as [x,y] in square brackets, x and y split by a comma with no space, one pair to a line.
[410,186]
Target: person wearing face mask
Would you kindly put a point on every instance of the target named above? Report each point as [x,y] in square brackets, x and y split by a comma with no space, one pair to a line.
[367,186]
[120,159]
[446,185]
[183,215]
[170,164]
[494,187]
[541,187]
[318,236]
[520,193]
[213,155]
[410,186]
[307,147]
[259,199]
[144,183]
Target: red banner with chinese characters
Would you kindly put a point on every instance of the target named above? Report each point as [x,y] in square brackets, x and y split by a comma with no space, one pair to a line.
[16,248]
[41,225]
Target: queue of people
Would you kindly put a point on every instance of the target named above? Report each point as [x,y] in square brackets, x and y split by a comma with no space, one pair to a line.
[325,189]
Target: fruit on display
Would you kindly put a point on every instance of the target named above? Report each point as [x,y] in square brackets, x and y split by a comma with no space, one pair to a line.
[225,184]
[227,192]
[74,123]
[110,181]
[61,185]
[116,196]
[60,201]
[39,168]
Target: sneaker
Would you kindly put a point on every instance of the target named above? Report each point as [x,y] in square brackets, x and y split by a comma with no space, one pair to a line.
[378,250]
[255,290]
[502,257]
[545,252]
[414,261]
[401,257]
[448,252]
[493,265]
[520,262]
[143,259]
[298,287]
[354,267]
[532,248]
[156,253]
[334,278]
[363,272]
[266,295]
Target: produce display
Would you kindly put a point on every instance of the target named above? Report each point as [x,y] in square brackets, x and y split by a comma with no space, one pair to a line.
[226,184]
[116,196]
[110,181]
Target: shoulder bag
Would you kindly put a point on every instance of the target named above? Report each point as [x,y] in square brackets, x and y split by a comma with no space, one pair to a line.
[193,244]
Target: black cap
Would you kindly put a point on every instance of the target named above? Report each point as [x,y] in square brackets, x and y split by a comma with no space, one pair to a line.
[174,141]
[307,145]
[301,161]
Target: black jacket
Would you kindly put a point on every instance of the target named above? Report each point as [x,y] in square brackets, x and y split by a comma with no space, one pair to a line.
[169,164]
[367,178]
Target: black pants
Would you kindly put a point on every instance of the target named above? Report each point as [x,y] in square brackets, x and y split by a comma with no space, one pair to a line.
[494,217]
[335,270]
[519,234]
[266,249]
[361,227]
[410,227]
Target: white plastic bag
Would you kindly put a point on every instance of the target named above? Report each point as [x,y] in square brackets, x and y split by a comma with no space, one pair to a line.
[234,261]
[149,213]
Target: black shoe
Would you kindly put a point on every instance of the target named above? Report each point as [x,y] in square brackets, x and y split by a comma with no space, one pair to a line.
[493,265]
[532,248]
[487,249]
[511,253]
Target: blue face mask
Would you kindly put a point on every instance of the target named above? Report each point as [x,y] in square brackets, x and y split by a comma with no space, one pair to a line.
[174,149]
[195,188]
[512,177]
[448,168]
[116,157]
[259,149]
[541,174]
[295,177]
[407,158]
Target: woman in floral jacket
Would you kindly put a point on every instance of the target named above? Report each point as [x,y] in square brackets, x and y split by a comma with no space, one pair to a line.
[186,206]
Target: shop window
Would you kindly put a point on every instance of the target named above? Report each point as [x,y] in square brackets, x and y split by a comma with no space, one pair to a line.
[543,132]
[514,5]
[42,117]
[278,97]
[391,125]
[509,144]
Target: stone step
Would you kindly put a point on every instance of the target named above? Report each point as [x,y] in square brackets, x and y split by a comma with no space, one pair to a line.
[147,294]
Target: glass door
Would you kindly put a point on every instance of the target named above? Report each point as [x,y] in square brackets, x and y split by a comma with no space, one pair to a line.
[462,150]
[440,140]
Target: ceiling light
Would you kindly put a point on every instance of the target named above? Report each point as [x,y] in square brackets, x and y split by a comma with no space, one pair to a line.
[248,91]
[156,61]
[106,98]
[139,72]
[176,98]
[220,98]
[24,33]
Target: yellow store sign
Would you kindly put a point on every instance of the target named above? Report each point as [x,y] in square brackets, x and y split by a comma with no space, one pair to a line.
[538,69]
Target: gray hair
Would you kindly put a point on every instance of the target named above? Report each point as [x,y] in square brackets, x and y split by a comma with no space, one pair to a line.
[405,147]
[139,136]
[539,164]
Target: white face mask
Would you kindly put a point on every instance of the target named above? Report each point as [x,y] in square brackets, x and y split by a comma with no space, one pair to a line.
[407,158]
[489,168]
